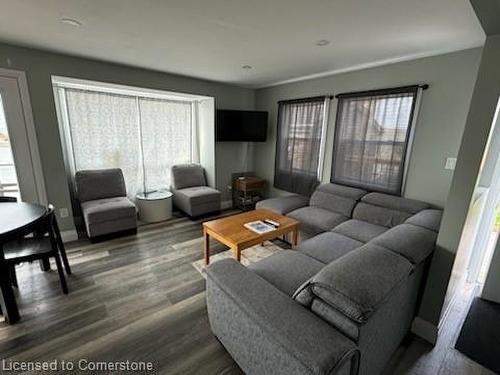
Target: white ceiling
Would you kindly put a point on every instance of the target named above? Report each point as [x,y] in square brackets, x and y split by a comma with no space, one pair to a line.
[213,39]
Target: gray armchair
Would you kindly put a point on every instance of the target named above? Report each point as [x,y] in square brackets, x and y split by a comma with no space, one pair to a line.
[191,193]
[104,203]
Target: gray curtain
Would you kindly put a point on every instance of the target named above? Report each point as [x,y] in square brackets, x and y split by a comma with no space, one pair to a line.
[298,144]
[371,138]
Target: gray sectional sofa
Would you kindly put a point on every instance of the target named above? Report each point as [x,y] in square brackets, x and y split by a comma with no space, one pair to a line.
[342,301]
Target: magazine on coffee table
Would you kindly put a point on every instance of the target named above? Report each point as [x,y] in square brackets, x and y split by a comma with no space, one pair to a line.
[259,227]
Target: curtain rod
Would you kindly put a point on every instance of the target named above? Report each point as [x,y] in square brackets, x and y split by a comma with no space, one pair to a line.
[391,90]
[309,99]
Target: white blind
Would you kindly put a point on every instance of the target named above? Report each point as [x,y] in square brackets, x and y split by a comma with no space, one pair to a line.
[142,136]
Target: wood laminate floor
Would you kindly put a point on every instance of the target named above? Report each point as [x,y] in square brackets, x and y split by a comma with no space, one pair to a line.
[138,298]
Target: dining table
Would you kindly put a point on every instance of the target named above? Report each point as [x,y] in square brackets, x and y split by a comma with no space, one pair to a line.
[17,219]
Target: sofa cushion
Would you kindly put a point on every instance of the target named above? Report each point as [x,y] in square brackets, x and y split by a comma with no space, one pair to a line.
[359,230]
[336,318]
[314,220]
[410,241]
[429,219]
[284,205]
[197,195]
[357,283]
[328,246]
[99,184]
[393,202]
[287,269]
[107,209]
[336,198]
[386,210]
[188,175]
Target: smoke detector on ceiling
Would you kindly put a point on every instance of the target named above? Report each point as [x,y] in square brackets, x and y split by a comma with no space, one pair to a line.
[70,21]
[322,42]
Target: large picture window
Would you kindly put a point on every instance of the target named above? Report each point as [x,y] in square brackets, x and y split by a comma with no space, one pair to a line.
[143,135]
[299,144]
[372,133]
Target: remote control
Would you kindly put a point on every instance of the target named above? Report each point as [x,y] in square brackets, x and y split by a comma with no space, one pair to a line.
[272,222]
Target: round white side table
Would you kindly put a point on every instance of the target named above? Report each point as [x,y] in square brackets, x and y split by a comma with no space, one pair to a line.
[154,206]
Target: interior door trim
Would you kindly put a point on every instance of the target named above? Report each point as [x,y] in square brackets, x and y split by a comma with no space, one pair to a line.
[22,84]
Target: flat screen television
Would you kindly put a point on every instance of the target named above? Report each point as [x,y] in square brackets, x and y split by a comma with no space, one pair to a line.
[240,126]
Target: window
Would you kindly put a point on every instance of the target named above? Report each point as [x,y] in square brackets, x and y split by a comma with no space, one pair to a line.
[142,134]
[371,138]
[299,144]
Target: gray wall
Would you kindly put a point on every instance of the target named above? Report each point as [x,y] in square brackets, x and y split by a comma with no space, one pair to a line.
[40,65]
[440,123]
[479,121]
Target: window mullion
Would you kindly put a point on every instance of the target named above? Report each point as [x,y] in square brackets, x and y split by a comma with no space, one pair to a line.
[141,144]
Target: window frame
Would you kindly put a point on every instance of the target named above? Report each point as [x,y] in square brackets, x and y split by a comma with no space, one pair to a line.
[325,99]
[416,90]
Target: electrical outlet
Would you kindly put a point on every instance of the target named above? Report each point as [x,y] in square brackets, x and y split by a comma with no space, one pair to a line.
[450,163]
[63,212]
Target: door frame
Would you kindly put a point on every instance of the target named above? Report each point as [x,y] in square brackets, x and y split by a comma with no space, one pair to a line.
[29,123]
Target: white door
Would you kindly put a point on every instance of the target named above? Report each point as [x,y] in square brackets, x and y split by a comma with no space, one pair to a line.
[20,167]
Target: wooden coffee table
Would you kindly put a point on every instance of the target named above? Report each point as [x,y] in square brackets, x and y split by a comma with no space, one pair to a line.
[231,232]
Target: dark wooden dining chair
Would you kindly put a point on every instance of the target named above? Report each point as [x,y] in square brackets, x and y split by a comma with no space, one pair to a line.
[42,246]
[44,263]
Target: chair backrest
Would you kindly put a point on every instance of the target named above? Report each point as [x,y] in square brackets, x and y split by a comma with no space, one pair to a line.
[99,184]
[8,199]
[188,175]
[45,224]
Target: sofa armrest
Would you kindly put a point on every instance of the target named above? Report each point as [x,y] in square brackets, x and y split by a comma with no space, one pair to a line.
[266,332]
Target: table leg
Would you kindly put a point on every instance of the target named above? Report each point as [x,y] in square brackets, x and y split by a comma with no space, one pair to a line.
[7,298]
[295,237]
[237,254]
[206,247]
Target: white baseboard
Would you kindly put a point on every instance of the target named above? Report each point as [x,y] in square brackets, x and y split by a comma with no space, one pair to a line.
[425,330]
[69,235]
[226,205]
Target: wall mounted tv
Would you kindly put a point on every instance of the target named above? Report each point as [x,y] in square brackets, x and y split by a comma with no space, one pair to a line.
[240,126]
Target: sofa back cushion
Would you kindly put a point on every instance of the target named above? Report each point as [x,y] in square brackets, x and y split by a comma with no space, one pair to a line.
[410,241]
[386,210]
[336,198]
[188,175]
[357,283]
[100,184]
[428,219]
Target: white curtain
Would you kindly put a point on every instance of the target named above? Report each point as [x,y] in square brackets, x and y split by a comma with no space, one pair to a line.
[165,137]
[142,136]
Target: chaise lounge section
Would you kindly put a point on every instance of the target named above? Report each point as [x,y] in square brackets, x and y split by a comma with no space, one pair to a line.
[341,302]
